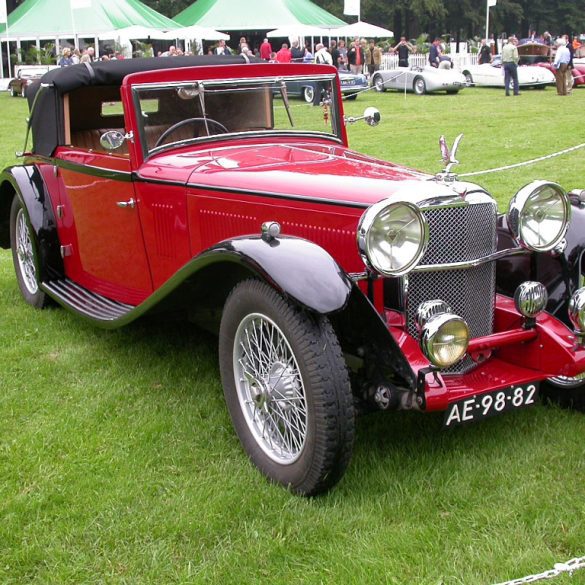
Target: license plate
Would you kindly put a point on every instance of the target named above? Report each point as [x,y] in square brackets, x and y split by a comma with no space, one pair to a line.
[489,404]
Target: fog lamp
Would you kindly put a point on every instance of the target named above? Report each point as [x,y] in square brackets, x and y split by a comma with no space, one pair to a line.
[444,339]
[530,298]
[577,310]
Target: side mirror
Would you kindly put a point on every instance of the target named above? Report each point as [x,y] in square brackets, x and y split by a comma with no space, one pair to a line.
[372,116]
[112,139]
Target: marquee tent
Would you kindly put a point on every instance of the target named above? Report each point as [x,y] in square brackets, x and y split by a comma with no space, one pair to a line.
[363,29]
[49,19]
[257,15]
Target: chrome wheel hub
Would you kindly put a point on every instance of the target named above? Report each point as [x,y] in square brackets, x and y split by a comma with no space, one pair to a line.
[270,388]
[25,254]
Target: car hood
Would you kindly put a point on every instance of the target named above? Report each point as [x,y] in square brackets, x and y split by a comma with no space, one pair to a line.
[331,173]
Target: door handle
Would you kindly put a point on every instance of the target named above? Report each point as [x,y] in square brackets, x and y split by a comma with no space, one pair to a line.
[130,203]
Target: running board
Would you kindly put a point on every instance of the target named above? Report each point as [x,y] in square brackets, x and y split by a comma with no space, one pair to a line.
[84,302]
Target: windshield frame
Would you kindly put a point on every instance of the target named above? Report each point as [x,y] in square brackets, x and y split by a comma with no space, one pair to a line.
[335,111]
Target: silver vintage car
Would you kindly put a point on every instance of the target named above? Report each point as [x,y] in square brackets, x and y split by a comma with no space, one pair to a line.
[419,80]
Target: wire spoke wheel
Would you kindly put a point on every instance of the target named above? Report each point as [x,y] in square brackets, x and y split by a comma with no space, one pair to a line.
[25,254]
[270,388]
[286,388]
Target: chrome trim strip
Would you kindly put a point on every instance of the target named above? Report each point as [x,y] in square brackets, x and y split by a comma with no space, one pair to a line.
[125,176]
[471,263]
[231,81]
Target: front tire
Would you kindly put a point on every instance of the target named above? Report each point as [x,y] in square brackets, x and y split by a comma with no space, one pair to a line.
[566,392]
[419,86]
[379,83]
[25,256]
[287,389]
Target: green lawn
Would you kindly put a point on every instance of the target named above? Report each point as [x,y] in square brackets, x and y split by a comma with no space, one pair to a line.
[118,463]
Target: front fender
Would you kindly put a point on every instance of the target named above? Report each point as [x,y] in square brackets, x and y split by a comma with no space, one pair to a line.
[27,184]
[297,268]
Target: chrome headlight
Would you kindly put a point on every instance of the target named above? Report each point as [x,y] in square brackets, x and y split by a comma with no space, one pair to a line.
[392,237]
[444,339]
[539,215]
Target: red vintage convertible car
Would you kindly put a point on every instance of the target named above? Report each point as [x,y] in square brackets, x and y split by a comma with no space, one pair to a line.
[337,283]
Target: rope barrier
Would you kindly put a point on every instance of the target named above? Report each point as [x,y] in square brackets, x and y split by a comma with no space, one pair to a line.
[525,163]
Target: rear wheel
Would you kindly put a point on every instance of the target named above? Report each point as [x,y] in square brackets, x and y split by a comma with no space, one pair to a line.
[23,91]
[25,256]
[13,92]
[566,392]
[379,83]
[419,86]
[309,94]
[287,389]
[468,77]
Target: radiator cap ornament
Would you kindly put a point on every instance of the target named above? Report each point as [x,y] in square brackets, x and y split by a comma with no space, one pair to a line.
[448,158]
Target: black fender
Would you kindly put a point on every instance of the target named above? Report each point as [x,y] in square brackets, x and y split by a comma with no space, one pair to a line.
[302,272]
[27,184]
[560,273]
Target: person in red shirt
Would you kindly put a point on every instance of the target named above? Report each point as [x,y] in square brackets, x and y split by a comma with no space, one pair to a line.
[265,50]
[284,55]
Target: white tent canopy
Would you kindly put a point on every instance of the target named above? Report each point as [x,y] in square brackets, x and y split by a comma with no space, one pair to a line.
[362,29]
[198,32]
[182,32]
[299,30]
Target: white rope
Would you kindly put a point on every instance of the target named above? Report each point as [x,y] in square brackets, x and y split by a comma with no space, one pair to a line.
[523,164]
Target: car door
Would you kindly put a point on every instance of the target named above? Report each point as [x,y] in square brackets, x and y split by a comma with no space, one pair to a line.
[102,244]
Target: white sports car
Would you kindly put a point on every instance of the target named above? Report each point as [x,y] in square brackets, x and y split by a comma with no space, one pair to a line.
[492,75]
[420,80]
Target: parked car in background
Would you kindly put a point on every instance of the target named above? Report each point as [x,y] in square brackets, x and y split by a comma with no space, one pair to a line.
[337,283]
[311,89]
[492,75]
[420,80]
[538,54]
[25,75]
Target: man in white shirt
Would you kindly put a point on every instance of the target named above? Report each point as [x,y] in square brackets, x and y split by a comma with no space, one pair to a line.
[561,65]
[322,55]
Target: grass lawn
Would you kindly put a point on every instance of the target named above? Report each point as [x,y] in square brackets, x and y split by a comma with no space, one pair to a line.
[118,463]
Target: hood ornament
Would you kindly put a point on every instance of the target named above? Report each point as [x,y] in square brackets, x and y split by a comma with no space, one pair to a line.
[448,158]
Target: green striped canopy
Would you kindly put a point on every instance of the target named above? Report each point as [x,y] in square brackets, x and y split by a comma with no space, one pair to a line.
[256,15]
[51,18]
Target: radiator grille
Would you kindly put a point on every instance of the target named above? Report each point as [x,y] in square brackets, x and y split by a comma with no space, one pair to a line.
[458,234]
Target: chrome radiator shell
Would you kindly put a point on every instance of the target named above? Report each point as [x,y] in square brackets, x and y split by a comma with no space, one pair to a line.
[458,232]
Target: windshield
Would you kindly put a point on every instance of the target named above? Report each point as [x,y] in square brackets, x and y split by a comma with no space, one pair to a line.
[204,110]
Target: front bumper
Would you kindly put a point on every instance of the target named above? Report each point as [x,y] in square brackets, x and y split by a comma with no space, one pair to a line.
[510,356]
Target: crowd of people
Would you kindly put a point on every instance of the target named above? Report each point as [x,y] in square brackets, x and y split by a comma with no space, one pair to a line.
[362,56]
[74,56]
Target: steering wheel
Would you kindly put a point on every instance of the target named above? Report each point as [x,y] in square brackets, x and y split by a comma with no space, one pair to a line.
[210,121]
